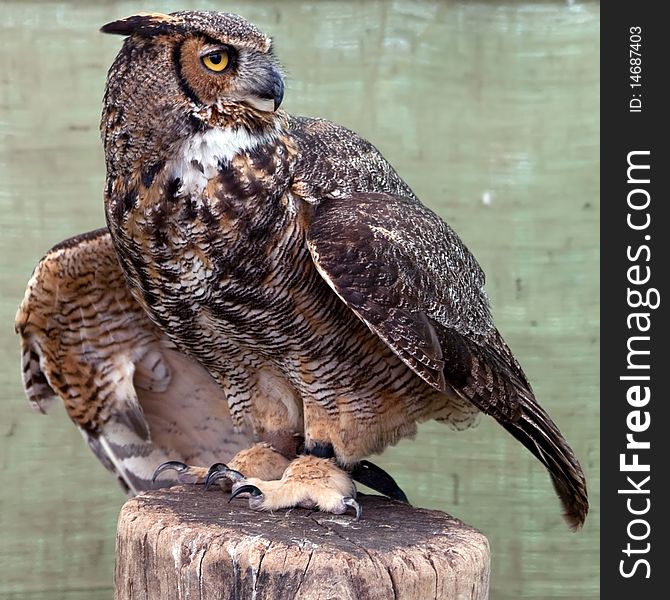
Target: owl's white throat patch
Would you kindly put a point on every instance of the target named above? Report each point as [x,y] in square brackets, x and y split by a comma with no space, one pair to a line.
[201,156]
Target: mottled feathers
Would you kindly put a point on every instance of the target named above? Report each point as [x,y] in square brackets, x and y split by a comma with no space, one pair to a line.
[135,399]
[408,276]
[317,263]
[285,256]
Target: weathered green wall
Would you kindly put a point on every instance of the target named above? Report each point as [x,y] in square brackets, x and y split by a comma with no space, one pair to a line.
[489,110]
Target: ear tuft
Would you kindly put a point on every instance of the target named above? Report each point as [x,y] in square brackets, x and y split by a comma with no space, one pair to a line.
[144,24]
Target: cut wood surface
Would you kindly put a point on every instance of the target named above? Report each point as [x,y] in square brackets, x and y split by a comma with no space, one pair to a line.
[188,543]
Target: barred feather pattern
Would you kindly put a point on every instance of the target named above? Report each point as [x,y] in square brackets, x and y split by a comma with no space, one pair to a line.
[286,256]
[410,278]
[135,399]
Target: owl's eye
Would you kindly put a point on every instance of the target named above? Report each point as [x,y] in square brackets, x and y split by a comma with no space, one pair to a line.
[216,61]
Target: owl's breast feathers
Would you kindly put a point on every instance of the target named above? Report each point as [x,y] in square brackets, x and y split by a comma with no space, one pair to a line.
[190,216]
[215,250]
[226,203]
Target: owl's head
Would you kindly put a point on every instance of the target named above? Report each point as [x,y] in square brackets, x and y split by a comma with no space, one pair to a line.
[186,72]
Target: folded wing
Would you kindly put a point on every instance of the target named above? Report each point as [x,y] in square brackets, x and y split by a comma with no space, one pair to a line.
[412,281]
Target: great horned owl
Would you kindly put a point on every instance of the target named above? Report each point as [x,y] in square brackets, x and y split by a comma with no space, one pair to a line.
[288,258]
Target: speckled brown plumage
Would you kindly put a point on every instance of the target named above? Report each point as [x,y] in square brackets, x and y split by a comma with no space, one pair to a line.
[136,399]
[287,257]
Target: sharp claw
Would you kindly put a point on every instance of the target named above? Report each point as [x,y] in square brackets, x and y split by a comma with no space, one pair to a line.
[375,477]
[173,465]
[216,467]
[355,505]
[234,475]
[216,471]
[250,489]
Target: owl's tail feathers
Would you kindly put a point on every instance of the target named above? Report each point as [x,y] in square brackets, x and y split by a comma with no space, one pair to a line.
[537,432]
[486,374]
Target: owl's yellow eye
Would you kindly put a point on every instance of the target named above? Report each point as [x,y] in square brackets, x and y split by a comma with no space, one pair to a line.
[216,61]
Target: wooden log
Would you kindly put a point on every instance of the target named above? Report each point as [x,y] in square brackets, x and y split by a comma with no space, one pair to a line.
[188,543]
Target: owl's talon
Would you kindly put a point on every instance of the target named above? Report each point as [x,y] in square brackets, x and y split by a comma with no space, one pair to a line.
[219,471]
[375,477]
[171,465]
[185,473]
[355,505]
[252,490]
[351,502]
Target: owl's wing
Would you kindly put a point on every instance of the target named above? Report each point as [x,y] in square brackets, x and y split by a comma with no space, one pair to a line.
[406,274]
[411,280]
[136,400]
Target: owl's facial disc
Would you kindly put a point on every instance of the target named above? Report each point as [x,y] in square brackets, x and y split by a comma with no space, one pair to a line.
[214,74]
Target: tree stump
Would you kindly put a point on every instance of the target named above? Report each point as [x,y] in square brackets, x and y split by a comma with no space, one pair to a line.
[188,543]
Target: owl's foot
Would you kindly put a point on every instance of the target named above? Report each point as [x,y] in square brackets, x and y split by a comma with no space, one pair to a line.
[185,473]
[261,460]
[307,482]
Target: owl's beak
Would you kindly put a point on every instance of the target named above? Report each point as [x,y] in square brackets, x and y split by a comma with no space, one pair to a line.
[270,97]
[278,89]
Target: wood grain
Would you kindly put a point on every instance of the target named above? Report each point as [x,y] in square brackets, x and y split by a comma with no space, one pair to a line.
[188,543]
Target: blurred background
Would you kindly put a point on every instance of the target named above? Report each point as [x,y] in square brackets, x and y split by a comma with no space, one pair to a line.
[489,110]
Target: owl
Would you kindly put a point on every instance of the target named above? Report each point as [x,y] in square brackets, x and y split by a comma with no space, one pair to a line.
[286,258]
[136,399]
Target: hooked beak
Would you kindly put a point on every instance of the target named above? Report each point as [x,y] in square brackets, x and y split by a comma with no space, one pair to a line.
[270,98]
[278,90]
